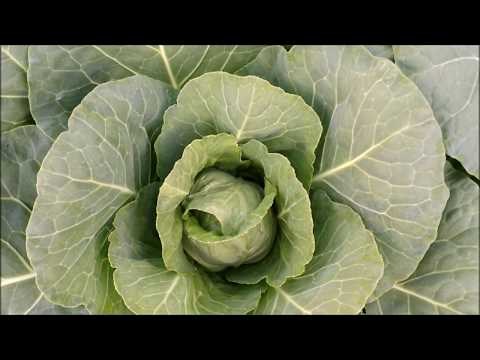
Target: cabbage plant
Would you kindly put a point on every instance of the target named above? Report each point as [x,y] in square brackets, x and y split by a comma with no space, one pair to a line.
[239,180]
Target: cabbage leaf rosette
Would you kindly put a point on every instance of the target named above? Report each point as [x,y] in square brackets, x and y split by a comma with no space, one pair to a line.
[230,180]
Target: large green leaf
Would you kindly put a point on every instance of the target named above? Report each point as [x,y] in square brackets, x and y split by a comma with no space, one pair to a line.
[385,51]
[20,294]
[344,270]
[23,149]
[248,108]
[382,153]
[14,90]
[448,77]
[147,287]
[446,281]
[294,244]
[60,76]
[93,168]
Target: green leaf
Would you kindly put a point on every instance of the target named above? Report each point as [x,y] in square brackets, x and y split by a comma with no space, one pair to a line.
[446,281]
[247,219]
[448,77]
[20,294]
[23,149]
[228,198]
[92,169]
[147,287]
[344,270]
[60,76]
[385,51]
[220,151]
[248,108]
[382,153]
[14,90]
[294,244]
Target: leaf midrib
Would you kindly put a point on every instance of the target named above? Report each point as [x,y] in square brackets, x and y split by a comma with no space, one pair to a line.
[424,298]
[293,302]
[16,279]
[13,59]
[166,62]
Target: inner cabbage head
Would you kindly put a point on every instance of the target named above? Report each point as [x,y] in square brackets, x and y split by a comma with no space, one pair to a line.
[222,228]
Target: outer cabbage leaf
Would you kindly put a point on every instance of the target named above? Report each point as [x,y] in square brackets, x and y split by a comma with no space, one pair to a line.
[147,287]
[22,152]
[60,76]
[446,281]
[385,51]
[344,270]
[92,169]
[382,153]
[14,91]
[248,108]
[448,77]
[20,294]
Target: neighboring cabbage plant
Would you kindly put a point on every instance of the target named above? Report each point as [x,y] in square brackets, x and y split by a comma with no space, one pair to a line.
[230,180]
